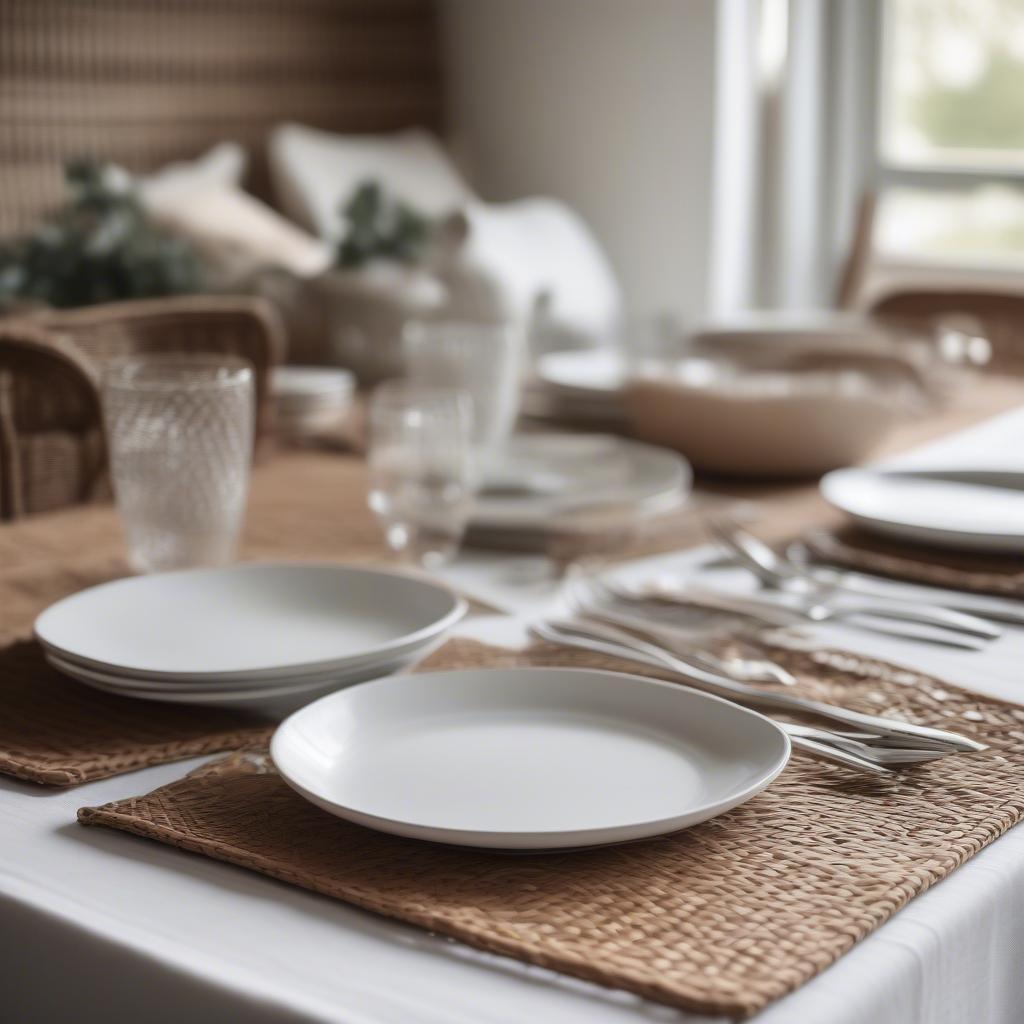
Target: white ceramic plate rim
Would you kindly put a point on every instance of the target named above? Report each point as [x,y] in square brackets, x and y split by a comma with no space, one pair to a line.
[267,677]
[549,839]
[129,684]
[229,697]
[534,511]
[561,371]
[425,633]
[831,487]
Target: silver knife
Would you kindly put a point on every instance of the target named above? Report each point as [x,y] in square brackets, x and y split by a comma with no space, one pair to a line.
[908,622]
[1002,609]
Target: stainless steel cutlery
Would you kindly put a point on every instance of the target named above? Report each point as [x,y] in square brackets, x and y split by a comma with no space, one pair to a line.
[778,572]
[870,742]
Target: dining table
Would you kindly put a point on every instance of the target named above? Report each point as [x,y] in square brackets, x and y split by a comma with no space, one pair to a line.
[98,925]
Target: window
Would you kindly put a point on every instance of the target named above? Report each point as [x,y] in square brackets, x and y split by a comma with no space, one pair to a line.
[950,139]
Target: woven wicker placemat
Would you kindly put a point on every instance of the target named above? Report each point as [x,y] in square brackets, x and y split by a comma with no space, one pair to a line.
[57,732]
[720,919]
[997,573]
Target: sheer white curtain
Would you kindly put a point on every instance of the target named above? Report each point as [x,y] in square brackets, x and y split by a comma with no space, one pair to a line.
[794,117]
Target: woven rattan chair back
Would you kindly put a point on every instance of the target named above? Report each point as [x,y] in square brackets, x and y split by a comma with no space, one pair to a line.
[232,325]
[51,432]
[1000,314]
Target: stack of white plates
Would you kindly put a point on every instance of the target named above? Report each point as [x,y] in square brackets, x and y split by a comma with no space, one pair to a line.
[310,400]
[260,634]
[582,386]
[541,484]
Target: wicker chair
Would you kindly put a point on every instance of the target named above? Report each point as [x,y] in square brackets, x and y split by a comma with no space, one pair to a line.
[51,439]
[143,83]
[51,433]
[1001,315]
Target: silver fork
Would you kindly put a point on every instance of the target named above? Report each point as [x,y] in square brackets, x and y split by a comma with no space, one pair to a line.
[606,607]
[856,749]
[859,744]
[777,572]
[606,640]
[818,743]
[778,615]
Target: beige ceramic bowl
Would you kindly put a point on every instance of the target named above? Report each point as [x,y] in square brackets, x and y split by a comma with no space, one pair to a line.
[760,436]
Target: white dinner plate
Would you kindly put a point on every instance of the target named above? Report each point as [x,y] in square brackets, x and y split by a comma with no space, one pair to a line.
[247,620]
[527,759]
[175,688]
[970,510]
[199,680]
[597,373]
[590,470]
[233,697]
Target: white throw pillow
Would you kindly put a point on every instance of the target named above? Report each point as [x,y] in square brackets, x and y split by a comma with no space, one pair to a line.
[236,234]
[528,255]
[315,173]
[223,165]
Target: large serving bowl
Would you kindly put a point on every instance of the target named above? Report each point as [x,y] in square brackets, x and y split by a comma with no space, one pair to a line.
[778,398]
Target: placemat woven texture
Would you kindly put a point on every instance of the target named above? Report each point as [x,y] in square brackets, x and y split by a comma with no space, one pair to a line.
[720,919]
[996,573]
[59,733]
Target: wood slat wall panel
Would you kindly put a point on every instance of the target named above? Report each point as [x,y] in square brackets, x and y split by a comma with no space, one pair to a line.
[143,82]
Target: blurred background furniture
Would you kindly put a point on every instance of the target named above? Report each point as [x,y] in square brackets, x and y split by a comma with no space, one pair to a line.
[916,296]
[293,91]
[230,324]
[143,84]
[51,445]
[999,314]
[51,432]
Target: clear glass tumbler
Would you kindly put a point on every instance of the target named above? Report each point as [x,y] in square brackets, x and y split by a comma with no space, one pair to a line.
[422,479]
[180,433]
[484,360]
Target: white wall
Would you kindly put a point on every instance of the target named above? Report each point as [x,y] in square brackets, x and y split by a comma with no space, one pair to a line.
[607,104]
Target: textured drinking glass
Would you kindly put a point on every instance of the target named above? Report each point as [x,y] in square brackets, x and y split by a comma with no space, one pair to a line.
[422,478]
[180,430]
[484,360]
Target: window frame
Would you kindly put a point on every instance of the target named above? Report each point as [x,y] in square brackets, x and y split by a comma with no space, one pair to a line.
[888,171]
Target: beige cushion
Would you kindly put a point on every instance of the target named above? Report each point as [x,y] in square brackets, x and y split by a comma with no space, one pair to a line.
[237,235]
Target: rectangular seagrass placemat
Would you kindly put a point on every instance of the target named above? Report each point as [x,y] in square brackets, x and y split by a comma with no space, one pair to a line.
[1000,573]
[57,732]
[721,919]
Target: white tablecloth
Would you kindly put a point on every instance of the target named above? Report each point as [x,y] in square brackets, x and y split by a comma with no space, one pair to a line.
[99,925]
